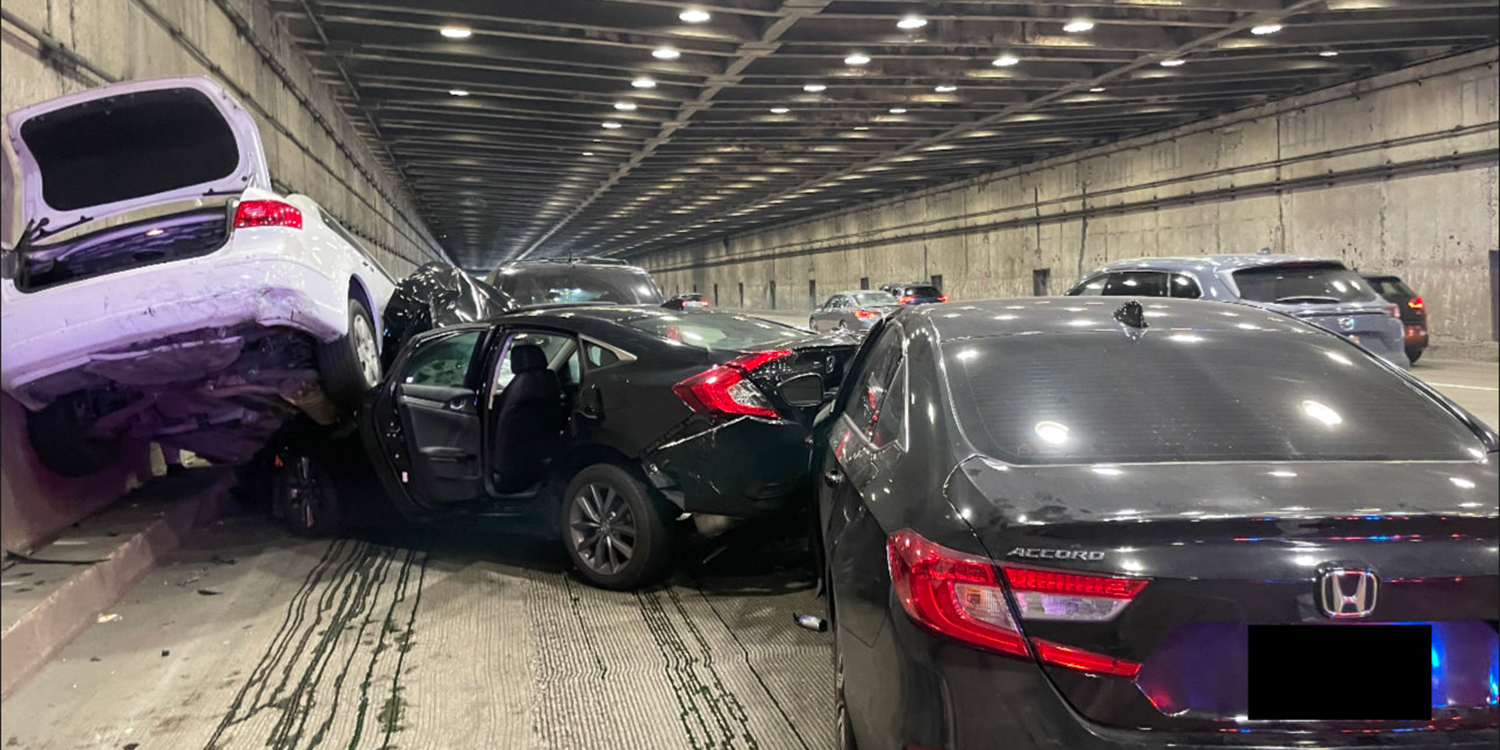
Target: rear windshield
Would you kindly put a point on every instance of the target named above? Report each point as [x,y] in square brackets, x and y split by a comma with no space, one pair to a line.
[1391,286]
[717,330]
[130,146]
[873,298]
[921,291]
[564,284]
[1204,396]
[1293,284]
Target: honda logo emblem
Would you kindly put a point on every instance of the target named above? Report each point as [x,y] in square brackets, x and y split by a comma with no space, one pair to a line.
[1347,593]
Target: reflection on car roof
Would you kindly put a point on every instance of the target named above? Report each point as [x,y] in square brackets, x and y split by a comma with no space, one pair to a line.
[1056,315]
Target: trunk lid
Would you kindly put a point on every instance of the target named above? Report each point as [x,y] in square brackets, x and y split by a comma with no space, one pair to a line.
[1247,548]
[119,148]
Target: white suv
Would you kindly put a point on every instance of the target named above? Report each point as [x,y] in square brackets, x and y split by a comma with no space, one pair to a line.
[164,290]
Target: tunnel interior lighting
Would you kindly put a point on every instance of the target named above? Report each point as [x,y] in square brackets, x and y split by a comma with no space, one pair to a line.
[911,22]
[643,83]
[457,92]
[625,106]
[456,32]
[665,53]
[945,89]
[898,110]
[779,110]
[1078,26]
[857,59]
[1172,63]
[611,125]
[694,15]
[1266,28]
[1005,61]
[813,88]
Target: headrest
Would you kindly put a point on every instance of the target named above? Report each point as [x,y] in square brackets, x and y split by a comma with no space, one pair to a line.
[527,358]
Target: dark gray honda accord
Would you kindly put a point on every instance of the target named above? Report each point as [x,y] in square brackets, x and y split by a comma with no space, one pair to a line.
[1069,523]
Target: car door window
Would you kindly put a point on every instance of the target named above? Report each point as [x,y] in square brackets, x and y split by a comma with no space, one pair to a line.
[871,390]
[1091,288]
[562,358]
[600,356]
[890,421]
[1185,286]
[443,362]
[1136,284]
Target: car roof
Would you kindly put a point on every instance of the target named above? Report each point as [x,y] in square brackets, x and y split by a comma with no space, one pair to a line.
[1058,315]
[1211,262]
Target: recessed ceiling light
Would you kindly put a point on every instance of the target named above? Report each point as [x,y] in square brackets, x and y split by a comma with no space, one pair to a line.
[625,106]
[457,92]
[1005,61]
[861,127]
[945,89]
[611,125]
[1096,90]
[665,53]
[813,88]
[779,110]
[588,153]
[1264,29]
[911,22]
[1328,53]
[694,15]
[1172,63]
[456,32]
[643,83]
[1079,26]
[856,59]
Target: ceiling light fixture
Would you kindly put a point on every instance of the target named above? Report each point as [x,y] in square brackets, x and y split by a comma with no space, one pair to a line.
[625,106]
[813,88]
[911,22]
[1266,28]
[588,153]
[694,15]
[898,110]
[1096,90]
[456,32]
[779,110]
[1078,27]
[1005,61]
[945,89]
[1172,63]
[1328,53]
[611,125]
[457,92]
[665,53]
[643,83]
[857,59]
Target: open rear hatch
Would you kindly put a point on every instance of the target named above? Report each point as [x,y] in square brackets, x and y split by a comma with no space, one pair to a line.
[1163,640]
[159,157]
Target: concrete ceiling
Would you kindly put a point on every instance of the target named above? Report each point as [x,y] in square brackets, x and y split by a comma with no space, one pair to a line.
[535,134]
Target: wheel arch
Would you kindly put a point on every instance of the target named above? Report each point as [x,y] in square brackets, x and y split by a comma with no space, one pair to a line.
[578,457]
[358,290]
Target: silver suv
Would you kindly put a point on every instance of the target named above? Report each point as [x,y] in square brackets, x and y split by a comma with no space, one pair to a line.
[1322,292]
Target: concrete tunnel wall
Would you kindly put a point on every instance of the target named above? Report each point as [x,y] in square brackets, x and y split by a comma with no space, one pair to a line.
[1396,173]
[55,47]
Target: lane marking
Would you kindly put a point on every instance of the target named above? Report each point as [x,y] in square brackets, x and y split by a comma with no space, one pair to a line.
[1468,387]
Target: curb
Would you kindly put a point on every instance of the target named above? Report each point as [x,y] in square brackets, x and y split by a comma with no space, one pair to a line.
[42,631]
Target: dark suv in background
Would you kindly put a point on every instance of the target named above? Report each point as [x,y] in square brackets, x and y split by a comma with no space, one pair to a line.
[1413,311]
[575,281]
[918,293]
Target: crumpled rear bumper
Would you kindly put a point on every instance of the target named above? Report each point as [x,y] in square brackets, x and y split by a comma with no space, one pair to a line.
[744,467]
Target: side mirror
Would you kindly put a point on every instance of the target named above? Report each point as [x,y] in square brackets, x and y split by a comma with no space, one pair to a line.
[804,390]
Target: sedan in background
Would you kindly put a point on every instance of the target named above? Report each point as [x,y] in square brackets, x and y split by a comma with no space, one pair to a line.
[690,301]
[617,418]
[915,294]
[1065,523]
[855,311]
[1413,311]
[1322,292]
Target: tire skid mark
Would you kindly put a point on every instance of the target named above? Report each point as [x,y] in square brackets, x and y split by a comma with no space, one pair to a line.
[390,726]
[711,708]
[302,670]
[732,702]
[583,629]
[765,689]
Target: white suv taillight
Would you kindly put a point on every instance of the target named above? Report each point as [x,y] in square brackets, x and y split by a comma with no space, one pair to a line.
[962,596]
[267,213]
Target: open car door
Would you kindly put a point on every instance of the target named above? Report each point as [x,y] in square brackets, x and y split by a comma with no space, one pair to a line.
[426,422]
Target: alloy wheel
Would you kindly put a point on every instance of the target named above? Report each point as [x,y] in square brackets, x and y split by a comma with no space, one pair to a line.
[365,350]
[601,528]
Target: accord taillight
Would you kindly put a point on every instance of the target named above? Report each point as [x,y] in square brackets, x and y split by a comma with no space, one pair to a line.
[267,213]
[962,596]
[866,314]
[723,389]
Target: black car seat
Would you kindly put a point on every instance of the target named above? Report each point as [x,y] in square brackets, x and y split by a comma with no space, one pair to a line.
[529,421]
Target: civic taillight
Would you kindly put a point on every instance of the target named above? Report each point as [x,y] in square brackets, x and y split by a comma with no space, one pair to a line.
[962,596]
[724,390]
[866,314]
[1416,303]
[267,213]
